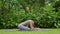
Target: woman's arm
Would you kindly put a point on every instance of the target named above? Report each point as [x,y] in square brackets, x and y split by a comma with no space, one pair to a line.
[31,24]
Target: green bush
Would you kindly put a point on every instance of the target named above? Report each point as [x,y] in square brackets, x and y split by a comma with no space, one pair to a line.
[48,18]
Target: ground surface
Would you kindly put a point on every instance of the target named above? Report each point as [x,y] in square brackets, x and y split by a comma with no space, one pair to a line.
[42,31]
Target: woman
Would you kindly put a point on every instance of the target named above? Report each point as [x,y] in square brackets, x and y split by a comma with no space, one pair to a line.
[30,23]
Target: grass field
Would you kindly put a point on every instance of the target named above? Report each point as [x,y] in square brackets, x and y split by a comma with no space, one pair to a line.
[52,31]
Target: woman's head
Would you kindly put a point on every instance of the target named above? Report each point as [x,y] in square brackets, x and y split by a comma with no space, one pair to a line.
[35,24]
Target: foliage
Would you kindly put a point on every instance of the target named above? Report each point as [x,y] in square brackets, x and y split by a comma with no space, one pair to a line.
[13,12]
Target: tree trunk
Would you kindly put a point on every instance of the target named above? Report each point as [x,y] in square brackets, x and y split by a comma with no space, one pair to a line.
[30,9]
[24,7]
[29,1]
[35,4]
[5,9]
[42,5]
[30,5]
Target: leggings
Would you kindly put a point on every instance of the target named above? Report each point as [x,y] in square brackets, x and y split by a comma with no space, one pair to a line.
[22,27]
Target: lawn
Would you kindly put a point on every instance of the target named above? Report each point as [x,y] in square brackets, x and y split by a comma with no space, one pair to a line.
[51,31]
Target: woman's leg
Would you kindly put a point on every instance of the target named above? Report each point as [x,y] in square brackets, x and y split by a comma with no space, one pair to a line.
[23,27]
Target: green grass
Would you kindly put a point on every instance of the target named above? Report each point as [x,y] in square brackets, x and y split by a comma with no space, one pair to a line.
[52,31]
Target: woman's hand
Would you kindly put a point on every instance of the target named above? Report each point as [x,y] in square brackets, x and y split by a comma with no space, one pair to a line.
[37,28]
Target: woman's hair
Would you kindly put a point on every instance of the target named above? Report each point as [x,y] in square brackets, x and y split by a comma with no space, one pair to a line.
[35,24]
